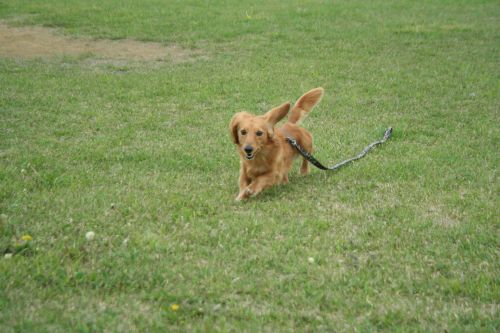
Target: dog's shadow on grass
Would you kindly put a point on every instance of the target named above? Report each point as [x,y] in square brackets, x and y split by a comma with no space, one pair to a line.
[298,185]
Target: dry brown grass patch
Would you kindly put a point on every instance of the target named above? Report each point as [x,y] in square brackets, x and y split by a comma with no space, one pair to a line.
[41,42]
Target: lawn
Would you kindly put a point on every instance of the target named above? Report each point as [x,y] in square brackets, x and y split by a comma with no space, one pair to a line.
[138,152]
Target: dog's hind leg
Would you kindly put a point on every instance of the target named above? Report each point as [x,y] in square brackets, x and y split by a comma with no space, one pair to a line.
[304,168]
[307,144]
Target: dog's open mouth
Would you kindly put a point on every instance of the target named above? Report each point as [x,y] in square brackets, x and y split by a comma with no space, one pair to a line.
[249,156]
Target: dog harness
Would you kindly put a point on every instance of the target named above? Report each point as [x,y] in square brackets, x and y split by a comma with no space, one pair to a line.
[317,164]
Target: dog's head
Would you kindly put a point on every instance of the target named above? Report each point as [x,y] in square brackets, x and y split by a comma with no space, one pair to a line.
[252,133]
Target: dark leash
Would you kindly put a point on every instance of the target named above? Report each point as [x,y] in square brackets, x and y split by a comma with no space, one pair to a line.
[317,164]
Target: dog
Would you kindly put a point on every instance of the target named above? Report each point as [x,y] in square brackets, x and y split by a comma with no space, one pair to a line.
[265,156]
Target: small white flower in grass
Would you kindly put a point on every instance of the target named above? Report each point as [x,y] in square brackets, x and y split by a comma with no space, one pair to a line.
[90,235]
[8,255]
[310,260]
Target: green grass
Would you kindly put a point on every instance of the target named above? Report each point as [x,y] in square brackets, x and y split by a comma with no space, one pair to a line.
[404,240]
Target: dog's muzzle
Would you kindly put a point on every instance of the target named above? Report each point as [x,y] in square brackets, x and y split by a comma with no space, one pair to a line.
[248,152]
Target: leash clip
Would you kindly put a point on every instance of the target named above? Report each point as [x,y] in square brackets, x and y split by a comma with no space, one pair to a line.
[292,141]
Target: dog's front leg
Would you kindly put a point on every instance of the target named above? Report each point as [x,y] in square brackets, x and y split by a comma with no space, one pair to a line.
[257,185]
[244,182]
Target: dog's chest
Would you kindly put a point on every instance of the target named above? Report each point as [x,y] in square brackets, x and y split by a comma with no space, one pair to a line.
[256,170]
[261,166]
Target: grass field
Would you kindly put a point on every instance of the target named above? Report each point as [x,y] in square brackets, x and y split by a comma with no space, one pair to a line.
[138,152]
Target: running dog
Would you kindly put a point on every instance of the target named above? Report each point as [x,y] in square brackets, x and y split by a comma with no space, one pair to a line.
[265,156]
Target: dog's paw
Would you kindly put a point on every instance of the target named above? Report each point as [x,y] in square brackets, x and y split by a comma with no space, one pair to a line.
[249,192]
[245,194]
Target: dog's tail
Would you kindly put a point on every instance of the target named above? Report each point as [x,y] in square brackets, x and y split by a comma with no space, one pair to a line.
[304,105]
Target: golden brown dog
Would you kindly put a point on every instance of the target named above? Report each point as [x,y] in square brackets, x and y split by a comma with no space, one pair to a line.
[265,156]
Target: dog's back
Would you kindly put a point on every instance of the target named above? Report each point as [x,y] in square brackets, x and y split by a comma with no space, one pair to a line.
[300,111]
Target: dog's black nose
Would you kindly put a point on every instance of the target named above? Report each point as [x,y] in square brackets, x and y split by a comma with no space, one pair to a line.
[248,150]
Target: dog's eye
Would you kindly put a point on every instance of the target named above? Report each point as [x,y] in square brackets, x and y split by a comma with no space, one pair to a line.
[243,132]
[259,133]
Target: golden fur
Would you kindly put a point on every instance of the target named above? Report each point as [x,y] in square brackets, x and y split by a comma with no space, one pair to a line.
[265,156]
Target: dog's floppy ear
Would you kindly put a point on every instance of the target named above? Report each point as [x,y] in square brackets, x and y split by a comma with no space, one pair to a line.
[305,104]
[276,114]
[310,99]
[235,123]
